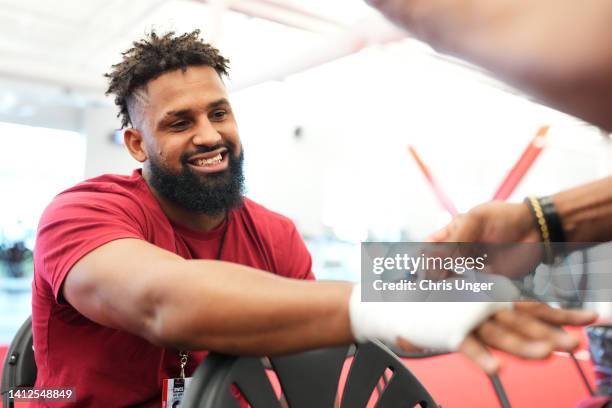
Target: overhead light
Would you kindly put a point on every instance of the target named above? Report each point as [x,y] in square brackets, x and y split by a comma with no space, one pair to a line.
[8,101]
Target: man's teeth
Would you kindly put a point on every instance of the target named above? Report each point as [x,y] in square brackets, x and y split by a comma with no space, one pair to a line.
[207,162]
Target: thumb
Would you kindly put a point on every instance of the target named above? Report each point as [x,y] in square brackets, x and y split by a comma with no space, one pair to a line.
[438,236]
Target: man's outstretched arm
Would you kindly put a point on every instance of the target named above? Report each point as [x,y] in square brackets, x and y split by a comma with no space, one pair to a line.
[137,287]
[557,50]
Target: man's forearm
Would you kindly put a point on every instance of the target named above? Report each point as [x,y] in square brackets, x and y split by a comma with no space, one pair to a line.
[235,309]
[527,43]
[586,211]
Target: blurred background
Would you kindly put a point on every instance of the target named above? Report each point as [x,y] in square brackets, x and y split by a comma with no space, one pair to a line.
[329,97]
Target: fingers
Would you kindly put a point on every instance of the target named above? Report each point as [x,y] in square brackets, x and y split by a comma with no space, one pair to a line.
[558,317]
[468,228]
[463,228]
[534,329]
[447,233]
[407,346]
[494,334]
[478,353]
[473,348]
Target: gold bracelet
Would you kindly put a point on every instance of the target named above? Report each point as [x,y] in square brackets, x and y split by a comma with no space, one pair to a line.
[544,231]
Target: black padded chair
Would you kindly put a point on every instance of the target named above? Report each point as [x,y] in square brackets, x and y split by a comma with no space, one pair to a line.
[308,379]
[498,387]
[19,368]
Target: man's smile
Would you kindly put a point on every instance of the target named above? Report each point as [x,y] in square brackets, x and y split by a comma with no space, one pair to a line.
[210,162]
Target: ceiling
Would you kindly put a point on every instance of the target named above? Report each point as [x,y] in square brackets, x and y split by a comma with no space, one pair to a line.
[69,44]
[55,53]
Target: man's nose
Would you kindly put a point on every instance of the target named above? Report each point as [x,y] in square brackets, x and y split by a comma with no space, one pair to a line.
[207,134]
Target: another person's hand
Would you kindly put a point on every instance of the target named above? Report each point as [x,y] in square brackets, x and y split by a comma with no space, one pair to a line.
[498,222]
[530,330]
[495,221]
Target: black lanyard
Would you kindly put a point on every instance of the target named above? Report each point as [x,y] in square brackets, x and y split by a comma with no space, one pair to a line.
[221,242]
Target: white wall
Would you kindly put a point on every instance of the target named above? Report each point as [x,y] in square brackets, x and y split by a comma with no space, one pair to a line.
[103,156]
[351,170]
[58,117]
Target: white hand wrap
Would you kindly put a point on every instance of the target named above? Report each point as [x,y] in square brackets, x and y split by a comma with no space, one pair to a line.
[430,325]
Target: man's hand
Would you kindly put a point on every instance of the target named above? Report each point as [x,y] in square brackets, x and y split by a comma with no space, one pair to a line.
[530,330]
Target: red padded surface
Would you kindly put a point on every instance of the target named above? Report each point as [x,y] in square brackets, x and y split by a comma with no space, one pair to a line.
[3,349]
[454,381]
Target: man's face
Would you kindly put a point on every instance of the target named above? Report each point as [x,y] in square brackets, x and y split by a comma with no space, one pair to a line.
[193,151]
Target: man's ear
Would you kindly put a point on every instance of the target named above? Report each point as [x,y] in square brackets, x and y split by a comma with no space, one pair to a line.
[135,143]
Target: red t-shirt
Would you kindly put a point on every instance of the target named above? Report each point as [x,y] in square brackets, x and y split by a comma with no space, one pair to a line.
[109,367]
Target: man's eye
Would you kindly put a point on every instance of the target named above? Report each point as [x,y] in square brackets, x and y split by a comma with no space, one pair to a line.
[179,125]
[219,114]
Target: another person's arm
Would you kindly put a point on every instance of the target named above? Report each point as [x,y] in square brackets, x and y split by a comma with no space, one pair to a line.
[585,212]
[557,50]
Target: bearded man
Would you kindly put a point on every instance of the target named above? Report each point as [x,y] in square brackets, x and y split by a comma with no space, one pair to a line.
[138,276]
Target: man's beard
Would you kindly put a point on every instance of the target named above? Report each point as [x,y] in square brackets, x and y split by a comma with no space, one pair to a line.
[208,194]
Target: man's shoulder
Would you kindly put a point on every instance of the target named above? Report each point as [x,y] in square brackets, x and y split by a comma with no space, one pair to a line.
[108,183]
[283,244]
[111,190]
[111,187]
[261,215]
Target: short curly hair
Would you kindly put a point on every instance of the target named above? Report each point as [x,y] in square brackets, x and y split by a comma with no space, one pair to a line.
[155,55]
